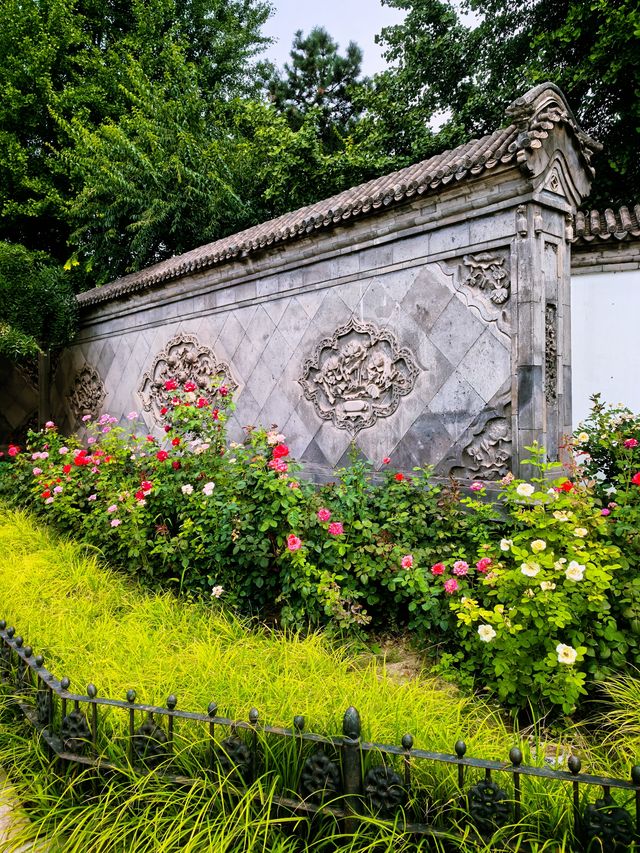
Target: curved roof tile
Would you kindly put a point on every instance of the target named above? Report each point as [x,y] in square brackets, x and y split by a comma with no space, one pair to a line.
[533,117]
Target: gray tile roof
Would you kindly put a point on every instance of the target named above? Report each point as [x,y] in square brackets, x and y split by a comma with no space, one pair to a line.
[611,225]
[533,117]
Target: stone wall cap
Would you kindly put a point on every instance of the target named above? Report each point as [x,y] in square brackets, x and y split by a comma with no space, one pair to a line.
[533,117]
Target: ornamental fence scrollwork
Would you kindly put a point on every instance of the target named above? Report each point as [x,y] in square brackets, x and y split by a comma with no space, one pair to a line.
[342,776]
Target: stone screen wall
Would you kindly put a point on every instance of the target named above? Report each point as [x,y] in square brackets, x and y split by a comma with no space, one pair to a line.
[403,344]
[424,316]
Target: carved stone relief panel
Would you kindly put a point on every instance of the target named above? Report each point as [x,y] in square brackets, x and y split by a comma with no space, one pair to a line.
[550,354]
[358,376]
[182,359]
[484,451]
[87,392]
[483,281]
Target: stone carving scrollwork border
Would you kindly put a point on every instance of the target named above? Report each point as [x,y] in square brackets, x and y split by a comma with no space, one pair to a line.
[358,375]
[183,358]
[87,393]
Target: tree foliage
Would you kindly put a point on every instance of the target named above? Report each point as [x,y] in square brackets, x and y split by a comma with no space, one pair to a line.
[37,303]
[319,80]
[471,69]
[70,59]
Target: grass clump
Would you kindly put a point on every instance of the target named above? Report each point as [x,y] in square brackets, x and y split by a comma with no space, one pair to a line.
[93,625]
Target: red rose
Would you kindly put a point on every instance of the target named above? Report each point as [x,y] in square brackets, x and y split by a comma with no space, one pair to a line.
[175,465]
[280,450]
[170,385]
[567,486]
[46,493]
[167,428]
[66,469]
[151,438]
[437,569]
[214,414]
[139,495]
[146,485]
[161,455]
[635,480]
[223,390]
[13,450]
[386,460]
[164,410]
[175,441]
[202,402]
[399,477]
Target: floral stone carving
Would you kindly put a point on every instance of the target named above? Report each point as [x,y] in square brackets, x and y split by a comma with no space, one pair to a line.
[487,273]
[87,393]
[182,359]
[358,376]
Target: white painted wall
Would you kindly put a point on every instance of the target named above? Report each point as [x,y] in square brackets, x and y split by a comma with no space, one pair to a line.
[605,332]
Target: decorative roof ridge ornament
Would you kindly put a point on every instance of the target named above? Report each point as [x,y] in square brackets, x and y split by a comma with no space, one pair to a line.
[536,112]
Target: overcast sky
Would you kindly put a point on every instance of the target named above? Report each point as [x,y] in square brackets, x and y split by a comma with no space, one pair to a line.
[345,20]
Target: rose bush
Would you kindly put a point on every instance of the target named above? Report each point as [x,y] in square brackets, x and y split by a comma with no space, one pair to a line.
[534,595]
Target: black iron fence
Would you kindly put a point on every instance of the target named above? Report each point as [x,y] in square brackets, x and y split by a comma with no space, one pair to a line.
[343,776]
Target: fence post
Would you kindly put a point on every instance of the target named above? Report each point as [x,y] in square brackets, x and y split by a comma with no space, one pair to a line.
[351,767]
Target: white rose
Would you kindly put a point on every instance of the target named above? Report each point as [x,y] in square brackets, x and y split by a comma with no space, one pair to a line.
[486,633]
[525,490]
[582,437]
[566,654]
[208,489]
[575,572]
[538,545]
[547,585]
[505,544]
[561,515]
[187,489]
[580,532]
[530,569]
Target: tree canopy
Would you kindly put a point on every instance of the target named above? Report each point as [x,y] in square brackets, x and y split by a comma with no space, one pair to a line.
[467,71]
[131,131]
[319,80]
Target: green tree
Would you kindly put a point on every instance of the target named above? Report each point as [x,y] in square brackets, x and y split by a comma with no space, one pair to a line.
[158,181]
[319,81]
[70,58]
[467,72]
[37,303]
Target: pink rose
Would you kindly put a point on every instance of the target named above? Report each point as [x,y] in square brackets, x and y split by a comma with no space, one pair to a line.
[386,460]
[631,443]
[407,561]
[451,586]
[460,568]
[483,564]
[605,511]
[476,486]
[293,542]
[336,528]
[278,465]
[324,514]
[37,471]
[115,522]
